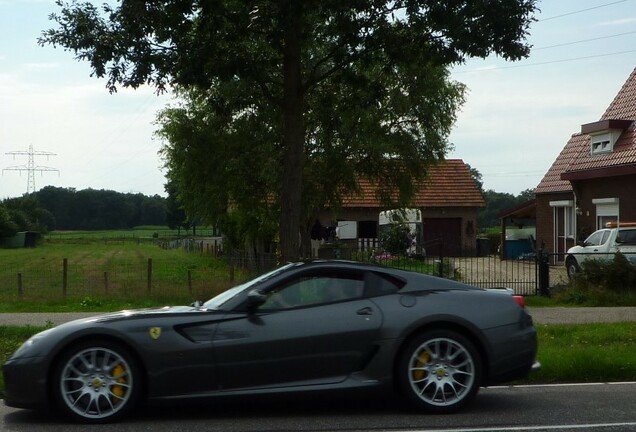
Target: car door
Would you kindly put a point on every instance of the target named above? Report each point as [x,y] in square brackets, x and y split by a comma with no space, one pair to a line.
[595,246]
[315,328]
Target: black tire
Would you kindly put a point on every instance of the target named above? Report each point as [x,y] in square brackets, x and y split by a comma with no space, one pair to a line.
[96,382]
[439,372]
[572,267]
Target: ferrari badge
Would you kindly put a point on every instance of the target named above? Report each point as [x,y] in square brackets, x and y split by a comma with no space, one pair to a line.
[155,332]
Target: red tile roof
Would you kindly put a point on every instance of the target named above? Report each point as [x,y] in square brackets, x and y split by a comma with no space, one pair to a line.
[551,181]
[448,184]
[576,156]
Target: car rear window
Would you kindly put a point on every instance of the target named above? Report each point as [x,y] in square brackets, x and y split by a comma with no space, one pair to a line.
[626,237]
[382,284]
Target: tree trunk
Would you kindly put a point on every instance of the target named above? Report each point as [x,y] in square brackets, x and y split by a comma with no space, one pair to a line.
[294,135]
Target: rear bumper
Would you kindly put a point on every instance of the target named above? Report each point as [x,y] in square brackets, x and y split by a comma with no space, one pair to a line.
[514,357]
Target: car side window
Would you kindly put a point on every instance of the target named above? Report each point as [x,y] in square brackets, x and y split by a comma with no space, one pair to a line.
[381,284]
[626,237]
[595,239]
[313,290]
[606,235]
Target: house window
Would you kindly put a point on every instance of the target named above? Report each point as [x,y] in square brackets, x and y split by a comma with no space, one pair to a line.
[564,217]
[606,211]
[602,143]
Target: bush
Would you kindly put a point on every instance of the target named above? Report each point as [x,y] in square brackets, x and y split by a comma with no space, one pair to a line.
[616,275]
[601,283]
[396,238]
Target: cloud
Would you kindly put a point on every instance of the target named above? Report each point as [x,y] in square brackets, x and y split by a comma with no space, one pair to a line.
[617,22]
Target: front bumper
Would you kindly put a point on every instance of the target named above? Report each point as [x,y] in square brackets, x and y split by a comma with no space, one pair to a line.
[25,383]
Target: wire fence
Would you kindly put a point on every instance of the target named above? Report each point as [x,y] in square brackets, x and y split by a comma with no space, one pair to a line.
[159,275]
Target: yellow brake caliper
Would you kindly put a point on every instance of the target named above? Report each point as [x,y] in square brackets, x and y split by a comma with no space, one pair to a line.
[118,391]
[422,360]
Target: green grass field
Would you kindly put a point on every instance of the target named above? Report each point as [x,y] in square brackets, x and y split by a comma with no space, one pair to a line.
[99,272]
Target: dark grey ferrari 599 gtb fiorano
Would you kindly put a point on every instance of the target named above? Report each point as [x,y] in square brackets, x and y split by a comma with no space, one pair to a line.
[321,325]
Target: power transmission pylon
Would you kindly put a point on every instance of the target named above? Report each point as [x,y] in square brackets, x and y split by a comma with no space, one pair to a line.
[30,167]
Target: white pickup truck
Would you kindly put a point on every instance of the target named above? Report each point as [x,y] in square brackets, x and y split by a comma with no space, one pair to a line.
[602,245]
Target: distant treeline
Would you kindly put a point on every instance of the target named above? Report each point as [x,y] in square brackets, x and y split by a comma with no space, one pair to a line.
[91,209]
[53,208]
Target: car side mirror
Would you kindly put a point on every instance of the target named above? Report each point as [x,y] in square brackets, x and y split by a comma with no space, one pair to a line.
[254,299]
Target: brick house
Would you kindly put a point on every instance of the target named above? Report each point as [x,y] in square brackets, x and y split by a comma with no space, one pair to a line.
[590,182]
[448,200]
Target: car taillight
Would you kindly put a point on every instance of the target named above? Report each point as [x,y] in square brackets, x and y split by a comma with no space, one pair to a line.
[520,301]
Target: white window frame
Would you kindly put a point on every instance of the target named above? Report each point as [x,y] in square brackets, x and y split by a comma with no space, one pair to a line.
[603,142]
[570,216]
[607,209]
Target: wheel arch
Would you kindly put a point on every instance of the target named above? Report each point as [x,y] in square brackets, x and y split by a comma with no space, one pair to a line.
[464,330]
[96,338]
[569,260]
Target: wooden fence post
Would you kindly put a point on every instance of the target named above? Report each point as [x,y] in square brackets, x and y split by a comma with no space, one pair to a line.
[190,281]
[20,292]
[64,276]
[149,274]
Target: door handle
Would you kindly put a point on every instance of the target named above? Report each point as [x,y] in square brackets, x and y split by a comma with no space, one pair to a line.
[365,311]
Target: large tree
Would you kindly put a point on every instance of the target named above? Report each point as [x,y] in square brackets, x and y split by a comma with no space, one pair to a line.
[285,56]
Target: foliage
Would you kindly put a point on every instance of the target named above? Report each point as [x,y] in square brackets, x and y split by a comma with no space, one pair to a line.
[175,215]
[477,177]
[317,84]
[91,209]
[396,238]
[497,202]
[601,283]
[618,274]
[24,214]
[8,227]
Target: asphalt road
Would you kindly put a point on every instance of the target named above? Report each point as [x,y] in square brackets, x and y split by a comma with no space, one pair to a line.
[545,315]
[590,407]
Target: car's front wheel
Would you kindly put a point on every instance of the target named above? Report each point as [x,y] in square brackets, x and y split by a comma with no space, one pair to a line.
[571,266]
[439,371]
[96,382]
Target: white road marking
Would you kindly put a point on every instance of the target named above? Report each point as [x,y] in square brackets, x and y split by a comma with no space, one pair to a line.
[562,385]
[528,428]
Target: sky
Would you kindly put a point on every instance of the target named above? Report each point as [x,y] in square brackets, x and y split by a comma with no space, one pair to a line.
[516,119]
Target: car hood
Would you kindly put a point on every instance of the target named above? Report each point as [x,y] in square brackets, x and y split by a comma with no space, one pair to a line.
[134,314]
[576,249]
[145,313]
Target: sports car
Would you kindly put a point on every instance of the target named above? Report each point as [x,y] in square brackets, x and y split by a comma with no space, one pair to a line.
[319,325]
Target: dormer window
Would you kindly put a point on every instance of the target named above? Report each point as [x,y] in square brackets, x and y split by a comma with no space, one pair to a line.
[604,134]
[602,143]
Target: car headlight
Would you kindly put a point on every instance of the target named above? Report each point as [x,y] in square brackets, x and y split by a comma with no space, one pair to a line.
[30,347]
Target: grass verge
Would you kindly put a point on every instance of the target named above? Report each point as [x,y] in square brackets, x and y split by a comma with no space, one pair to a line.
[568,353]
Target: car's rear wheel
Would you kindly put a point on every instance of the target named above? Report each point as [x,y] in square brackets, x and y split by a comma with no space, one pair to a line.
[96,382]
[439,371]
[571,266]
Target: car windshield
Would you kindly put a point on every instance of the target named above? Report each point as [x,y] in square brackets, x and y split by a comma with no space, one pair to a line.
[219,300]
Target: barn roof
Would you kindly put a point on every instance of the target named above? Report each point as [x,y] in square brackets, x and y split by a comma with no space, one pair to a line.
[448,184]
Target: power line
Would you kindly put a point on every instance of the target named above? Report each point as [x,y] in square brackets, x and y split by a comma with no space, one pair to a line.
[547,62]
[31,168]
[584,40]
[581,11]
